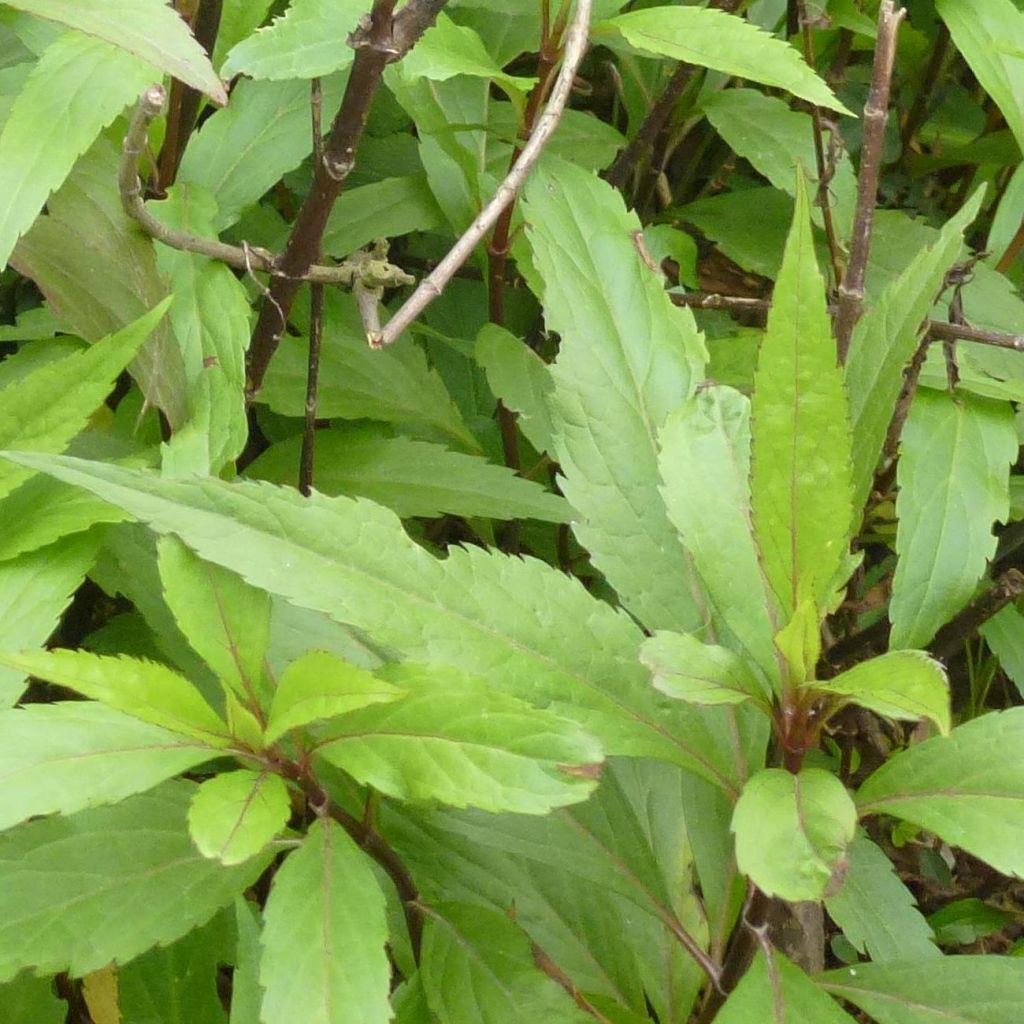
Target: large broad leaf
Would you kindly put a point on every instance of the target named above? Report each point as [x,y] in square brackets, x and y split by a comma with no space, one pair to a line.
[774,991]
[990,35]
[792,831]
[238,20]
[965,989]
[705,465]
[78,87]
[722,42]
[884,341]
[967,787]
[89,892]
[953,480]
[800,479]
[627,359]
[310,40]
[68,756]
[876,911]
[415,478]
[146,28]
[323,939]
[454,739]
[526,628]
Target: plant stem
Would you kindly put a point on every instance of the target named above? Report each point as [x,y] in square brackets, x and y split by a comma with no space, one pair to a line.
[919,109]
[965,625]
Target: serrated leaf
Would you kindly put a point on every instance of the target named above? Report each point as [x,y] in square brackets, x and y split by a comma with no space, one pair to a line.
[146,28]
[876,911]
[453,739]
[146,690]
[967,787]
[708,440]
[235,814]
[89,892]
[310,40]
[319,685]
[722,42]
[966,989]
[900,684]
[684,667]
[65,757]
[627,359]
[238,20]
[323,938]
[78,87]
[792,831]
[800,478]
[953,478]
[415,478]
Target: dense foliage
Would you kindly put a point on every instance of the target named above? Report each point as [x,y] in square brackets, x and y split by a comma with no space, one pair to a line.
[623,625]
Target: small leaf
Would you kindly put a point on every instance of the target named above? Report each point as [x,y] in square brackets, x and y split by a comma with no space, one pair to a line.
[235,814]
[31,1000]
[964,922]
[900,684]
[792,832]
[319,685]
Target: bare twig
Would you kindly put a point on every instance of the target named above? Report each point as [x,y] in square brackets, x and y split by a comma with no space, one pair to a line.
[876,113]
[431,286]
[965,625]
[919,109]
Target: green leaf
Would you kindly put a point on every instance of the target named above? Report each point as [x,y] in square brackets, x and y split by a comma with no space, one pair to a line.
[478,965]
[966,989]
[964,922]
[722,42]
[31,1000]
[146,28]
[708,438]
[235,814]
[953,478]
[1004,634]
[65,757]
[246,994]
[146,690]
[319,685]
[686,668]
[777,992]
[310,40]
[967,787]
[226,621]
[876,911]
[323,938]
[415,478]
[627,359]
[78,87]
[454,739]
[886,337]
[990,36]
[900,684]
[792,832]
[800,480]
[238,20]
[89,892]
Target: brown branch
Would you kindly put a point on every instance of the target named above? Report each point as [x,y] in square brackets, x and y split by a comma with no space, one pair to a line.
[382,38]
[966,623]
[876,113]
[919,108]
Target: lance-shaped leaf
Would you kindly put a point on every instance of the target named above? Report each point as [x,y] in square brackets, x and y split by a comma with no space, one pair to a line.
[147,690]
[235,814]
[953,477]
[525,627]
[68,756]
[774,991]
[876,911]
[627,359]
[684,667]
[456,740]
[967,787]
[800,479]
[965,989]
[323,938]
[147,28]
[705,465]
[320,685]
[792,832]
[722,42]
[90,893]
[900,684]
